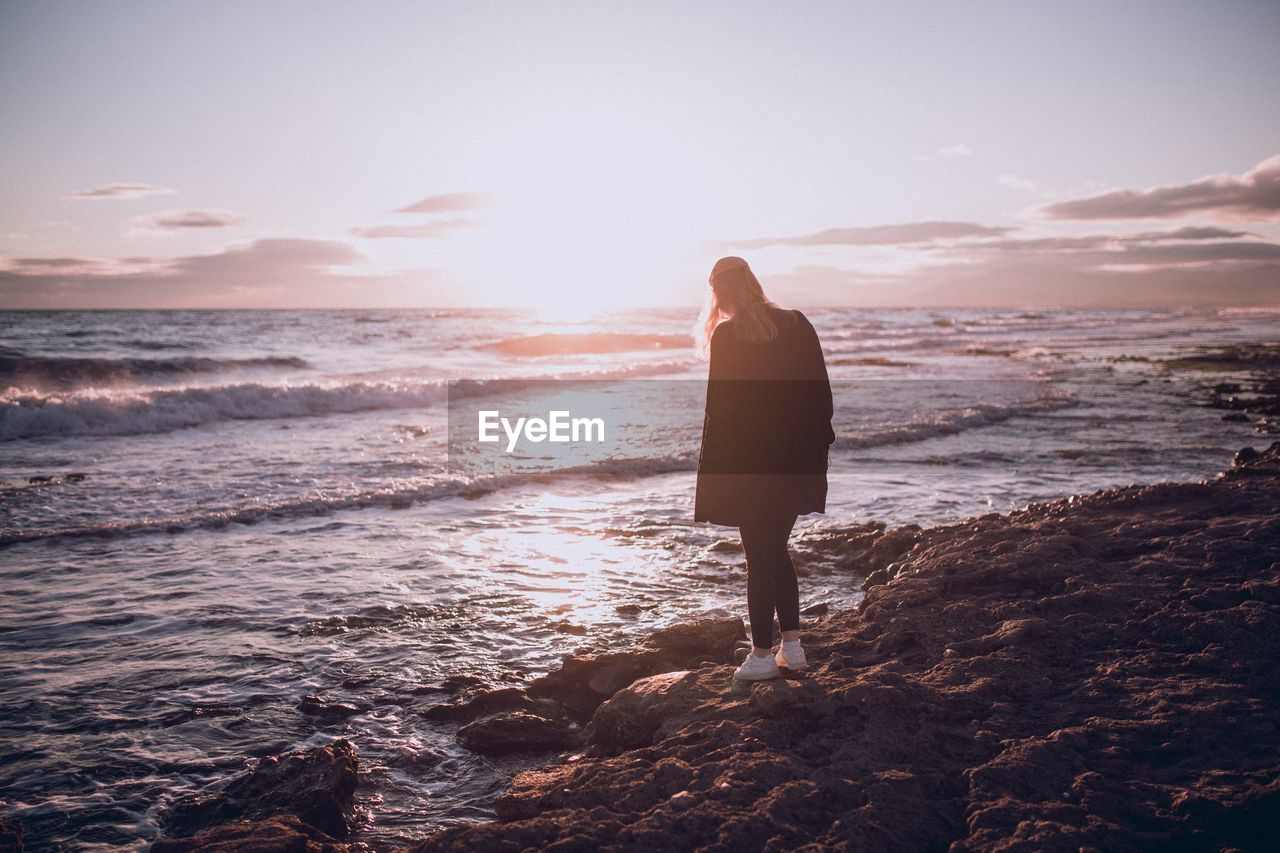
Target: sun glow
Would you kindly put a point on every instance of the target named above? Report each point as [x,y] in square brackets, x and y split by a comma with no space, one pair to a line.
[593,211]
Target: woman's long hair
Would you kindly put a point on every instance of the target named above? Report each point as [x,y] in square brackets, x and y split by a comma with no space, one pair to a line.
[735,293]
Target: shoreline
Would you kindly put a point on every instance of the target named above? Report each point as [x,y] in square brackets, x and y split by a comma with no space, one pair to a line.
[1088,672]
[1095,671]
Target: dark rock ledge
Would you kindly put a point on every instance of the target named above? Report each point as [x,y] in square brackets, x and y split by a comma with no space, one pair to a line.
[1099,672]
[296,801]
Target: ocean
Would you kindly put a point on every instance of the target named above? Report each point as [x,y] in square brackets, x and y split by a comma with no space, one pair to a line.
[206,516]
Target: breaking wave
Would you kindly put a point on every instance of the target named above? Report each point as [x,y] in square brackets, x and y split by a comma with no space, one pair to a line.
[64,373]
[29,415]
[950,422]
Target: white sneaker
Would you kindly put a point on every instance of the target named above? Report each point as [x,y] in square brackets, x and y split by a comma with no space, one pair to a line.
[791,658]
[756,668]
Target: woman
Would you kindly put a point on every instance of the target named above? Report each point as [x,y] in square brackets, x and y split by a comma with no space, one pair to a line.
[764,447]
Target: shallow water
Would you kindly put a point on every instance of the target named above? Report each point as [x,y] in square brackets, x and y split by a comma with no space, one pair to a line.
[267,513]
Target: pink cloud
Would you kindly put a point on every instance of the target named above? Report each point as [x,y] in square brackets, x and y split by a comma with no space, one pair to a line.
[448,203]
[879,235]
[438,228]
[268,273]
[120,190]
[1034,282]
[1193,265]
[173,220]
[82,267]
[1090,242]
[1254,195]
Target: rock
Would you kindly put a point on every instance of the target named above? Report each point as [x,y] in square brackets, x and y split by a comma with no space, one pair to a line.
[482,704]
[316,785]
[584,681]
[285,834]
[868,549]
[1244,456]
[39,480]
[714,637]
[893,545]
[819,609]
[1237,417]
[628,610]
[780,696]
[646,710]
[1248,460]
[1012,632]
[426,689]
[75,477]
[614,676]
[518,731]
[877,578]
[461,681]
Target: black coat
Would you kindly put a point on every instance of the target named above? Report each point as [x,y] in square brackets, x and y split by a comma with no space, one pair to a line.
[767,429]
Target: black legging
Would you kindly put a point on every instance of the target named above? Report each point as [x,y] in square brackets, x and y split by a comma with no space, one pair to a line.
[771,578]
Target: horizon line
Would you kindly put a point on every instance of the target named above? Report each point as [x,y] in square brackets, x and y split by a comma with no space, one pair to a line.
[1011,307]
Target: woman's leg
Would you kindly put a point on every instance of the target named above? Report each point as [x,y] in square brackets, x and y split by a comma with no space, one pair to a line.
[771,580]
[786,589]
[760,550]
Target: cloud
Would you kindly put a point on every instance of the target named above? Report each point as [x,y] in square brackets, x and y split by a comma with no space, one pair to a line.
[438,228]
[1255,195]
[431,205]
[1192,232]
[259,258]
[120,190]
[268,258]
[1099,241]
[81,267]
[448,203]
[1025,185]
[949,152]
[967,265]
[175,220]
[1180,254]
[266,273]
[879,235]
[1034,282]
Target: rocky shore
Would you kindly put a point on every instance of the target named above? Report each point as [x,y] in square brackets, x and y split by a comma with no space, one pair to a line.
[1096,672]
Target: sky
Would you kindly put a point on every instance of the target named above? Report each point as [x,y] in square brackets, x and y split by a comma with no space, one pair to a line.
[581,156]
